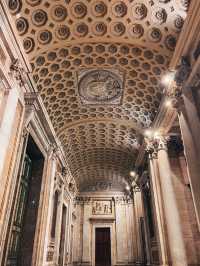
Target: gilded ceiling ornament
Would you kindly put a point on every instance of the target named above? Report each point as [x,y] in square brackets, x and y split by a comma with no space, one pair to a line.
[159,15]
[33,2]
[119,9]
[75,50]
[51,56]
[81,29]
[170,42]
[99,28]
[178,22]
[139,11]
[28,44]
[112,48]
[100,86]
[22,25]
[124,49]
[79,10]
[40,60]
[99,9]
[88,49]
[62,53]
[44,37]
[15,6]
[62,32]
[154,35]
[118,28]
[59,13]
[43,72]
[39,17]
[136,31]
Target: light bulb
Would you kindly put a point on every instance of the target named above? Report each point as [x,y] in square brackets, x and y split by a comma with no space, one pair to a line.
[132,173]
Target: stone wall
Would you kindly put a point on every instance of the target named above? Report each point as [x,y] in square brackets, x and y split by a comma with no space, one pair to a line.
[118,216]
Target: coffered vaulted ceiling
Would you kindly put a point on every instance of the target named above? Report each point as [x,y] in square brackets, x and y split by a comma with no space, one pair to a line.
[98,66]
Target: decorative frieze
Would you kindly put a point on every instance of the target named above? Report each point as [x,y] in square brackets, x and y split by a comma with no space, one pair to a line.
[102,207]
[121,200]
[83,200]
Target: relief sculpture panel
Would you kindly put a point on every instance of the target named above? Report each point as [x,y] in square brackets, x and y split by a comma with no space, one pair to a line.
[102,207]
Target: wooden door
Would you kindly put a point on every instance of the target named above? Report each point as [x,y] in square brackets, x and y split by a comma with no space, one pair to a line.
[102,247]
[14,253]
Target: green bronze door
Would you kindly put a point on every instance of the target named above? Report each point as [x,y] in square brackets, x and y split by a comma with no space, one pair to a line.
[14,252]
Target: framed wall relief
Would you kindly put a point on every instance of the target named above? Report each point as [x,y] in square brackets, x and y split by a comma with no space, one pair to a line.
[102,207]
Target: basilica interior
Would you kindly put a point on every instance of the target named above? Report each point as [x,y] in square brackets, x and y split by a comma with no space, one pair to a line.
[99,132]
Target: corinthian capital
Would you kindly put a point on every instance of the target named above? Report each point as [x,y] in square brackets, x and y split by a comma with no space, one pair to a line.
[154,144]
[161,142]
[151,147]
[176,96]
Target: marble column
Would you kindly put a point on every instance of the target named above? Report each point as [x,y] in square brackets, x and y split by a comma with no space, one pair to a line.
[86,258]
[48,204]
[58,224]
[146,229]
[189,122]
[137,215]
[159,215]
[173,224]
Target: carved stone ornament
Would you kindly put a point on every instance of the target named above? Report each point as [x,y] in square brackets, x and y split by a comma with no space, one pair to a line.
[176,97]
[159,15]
[139,11]
[72,188]
[154,144]
[150,146]
[183,71]
[39,17]
[22,25]
[119,9]
[161,142]
[79,10]
[99,9]
[123,200]
[102,207]
[28,44]
[136,31]
[83,200]
[100,86]
[18,72]
[30,99]
[15,6]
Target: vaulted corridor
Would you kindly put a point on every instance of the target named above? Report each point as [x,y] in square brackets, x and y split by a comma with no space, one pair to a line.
[99,132]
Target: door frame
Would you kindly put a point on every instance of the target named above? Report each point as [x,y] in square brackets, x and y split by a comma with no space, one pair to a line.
[104,224]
